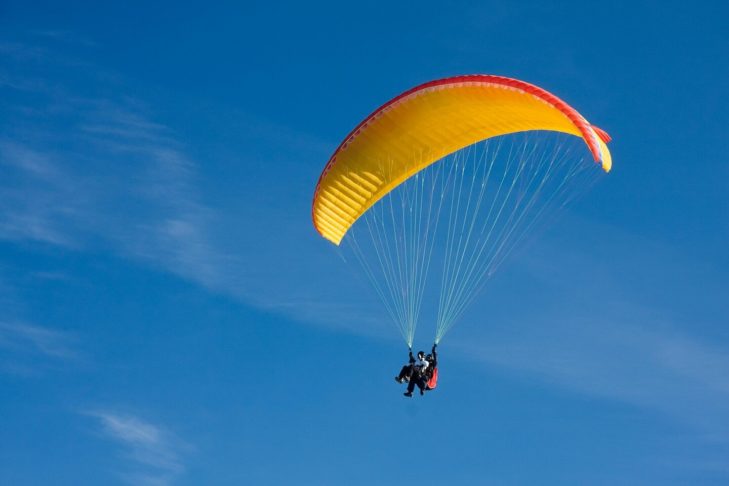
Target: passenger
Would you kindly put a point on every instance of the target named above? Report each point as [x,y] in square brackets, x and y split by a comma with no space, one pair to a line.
[407,371]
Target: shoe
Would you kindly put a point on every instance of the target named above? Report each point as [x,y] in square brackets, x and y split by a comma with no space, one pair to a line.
[398,379]
[408,394]
[422,392]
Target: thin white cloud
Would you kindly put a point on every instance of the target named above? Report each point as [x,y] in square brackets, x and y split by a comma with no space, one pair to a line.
[35,196]
[153,455]
[96,170]
[22,338]
[619,359]
[84,170]
[588,324]
[28,161]
[29,349]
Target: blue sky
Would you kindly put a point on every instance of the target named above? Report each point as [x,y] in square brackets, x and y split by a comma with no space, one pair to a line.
[170,316]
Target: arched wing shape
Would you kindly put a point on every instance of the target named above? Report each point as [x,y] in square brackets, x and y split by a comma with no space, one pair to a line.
[426,123]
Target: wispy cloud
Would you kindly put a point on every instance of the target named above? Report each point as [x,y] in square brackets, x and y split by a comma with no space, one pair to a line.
[592,325]
[28,338]
[616,357]
[27,348]
[37,196]
[153,454]
[83,169]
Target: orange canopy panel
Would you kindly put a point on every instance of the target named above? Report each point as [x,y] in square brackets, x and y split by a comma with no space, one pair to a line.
[423,125]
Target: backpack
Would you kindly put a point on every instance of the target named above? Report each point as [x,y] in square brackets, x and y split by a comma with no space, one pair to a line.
[433,381]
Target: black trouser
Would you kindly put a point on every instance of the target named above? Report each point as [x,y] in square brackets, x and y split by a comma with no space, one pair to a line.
[416,379]
[405,373]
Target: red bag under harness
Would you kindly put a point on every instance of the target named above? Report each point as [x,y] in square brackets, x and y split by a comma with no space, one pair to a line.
[433,382]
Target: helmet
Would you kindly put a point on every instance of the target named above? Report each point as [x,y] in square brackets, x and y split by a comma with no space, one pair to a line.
[421,355]
[429,357]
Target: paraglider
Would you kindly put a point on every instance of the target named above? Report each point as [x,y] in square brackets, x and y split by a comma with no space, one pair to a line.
[447,179]
[422,372]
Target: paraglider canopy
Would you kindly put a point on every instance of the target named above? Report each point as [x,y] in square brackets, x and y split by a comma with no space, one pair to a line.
[426,123]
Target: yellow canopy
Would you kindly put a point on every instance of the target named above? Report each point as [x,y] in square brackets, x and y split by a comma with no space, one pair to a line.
[425,124]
